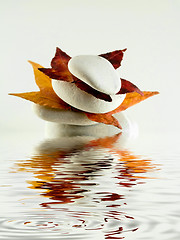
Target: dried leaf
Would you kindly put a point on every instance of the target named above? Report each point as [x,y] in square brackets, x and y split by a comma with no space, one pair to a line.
[127,87]
[132,99]
[105,118]
[41,79]
[83,86]
[48,99]
[115,57]
[60,60]
[46,96]
[59,70]
[54,74]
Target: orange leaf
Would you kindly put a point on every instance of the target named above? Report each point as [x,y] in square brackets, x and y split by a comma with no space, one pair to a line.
[44,81]
[46,97]
[105,118]
[49,99]
[132,99]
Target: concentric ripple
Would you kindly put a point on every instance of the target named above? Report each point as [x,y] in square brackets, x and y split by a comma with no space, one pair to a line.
[95,189]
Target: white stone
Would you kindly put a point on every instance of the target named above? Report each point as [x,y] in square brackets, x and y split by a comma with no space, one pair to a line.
[97,72]
[84,101]
[61,116]
[67,123]
[58,129]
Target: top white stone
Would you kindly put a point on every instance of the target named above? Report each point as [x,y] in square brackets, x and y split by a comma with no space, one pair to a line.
[97,72]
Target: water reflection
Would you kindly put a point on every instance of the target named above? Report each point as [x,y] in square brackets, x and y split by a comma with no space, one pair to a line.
[83,182]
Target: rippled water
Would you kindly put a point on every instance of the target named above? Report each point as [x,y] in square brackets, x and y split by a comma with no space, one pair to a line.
[83,187]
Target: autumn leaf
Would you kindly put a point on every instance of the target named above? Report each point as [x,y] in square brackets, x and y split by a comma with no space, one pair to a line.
[130,100]
[60,71]
[60,60]
[42,81]
[85,87]
[127,87]
[115,57]
[45,83]
[46,96]
[53,101]
[48,99]
[105,118]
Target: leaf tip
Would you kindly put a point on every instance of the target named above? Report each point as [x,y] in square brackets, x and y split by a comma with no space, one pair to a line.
[14,94]
[29,61]
[119,126]
[33,64]
[58,49]
[152,93]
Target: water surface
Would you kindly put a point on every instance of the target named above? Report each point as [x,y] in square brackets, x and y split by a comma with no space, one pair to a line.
[83,187]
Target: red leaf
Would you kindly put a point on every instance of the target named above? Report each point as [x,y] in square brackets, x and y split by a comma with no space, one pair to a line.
[60,59]
[46,99]
[59,70]
[127,87]
[114,57]
[83,86]
[54,74]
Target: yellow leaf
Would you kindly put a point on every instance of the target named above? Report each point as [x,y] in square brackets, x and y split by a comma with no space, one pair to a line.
[47,100]
[41,79]
[46,96]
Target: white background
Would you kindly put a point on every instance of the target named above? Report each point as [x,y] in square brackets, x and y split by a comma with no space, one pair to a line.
[150,30]
[32,29]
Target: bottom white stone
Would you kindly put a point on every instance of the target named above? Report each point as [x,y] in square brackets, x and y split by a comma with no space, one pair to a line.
[61,116]
[68,123]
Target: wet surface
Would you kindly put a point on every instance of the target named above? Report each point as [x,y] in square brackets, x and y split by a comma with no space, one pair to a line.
[89,188]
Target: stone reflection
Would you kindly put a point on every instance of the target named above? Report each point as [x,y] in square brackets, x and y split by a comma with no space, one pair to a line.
[89,172]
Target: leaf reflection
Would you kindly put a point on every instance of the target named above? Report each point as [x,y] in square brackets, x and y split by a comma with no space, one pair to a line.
[69,169]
